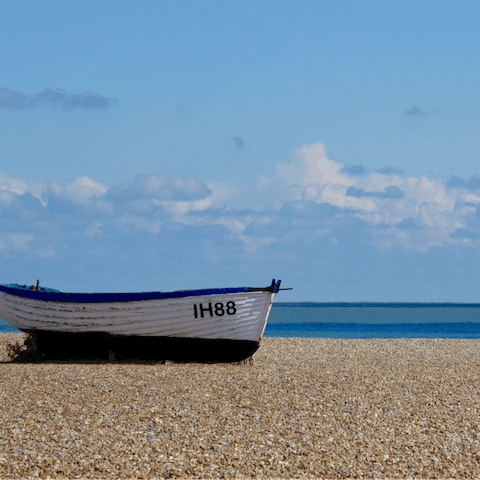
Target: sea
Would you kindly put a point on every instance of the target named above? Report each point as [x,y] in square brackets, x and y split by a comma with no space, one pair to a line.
[367,320]
[374,320]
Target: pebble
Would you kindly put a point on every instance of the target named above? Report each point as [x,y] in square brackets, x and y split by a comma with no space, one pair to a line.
[305,408]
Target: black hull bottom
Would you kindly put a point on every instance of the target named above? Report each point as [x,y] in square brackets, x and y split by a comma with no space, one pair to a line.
[61,346]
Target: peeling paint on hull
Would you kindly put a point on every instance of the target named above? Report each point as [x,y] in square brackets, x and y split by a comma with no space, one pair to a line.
[220,325]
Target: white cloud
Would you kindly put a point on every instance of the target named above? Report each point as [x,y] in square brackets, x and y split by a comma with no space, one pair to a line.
[310,199]
[313,177]
[312,167]
[179,208]
[160,187]
[11,187]
[82,191]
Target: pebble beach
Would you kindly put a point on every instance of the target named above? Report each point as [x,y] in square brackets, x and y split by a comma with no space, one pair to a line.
[304,408]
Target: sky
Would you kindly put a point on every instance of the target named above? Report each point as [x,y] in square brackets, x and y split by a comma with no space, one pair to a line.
[165,145]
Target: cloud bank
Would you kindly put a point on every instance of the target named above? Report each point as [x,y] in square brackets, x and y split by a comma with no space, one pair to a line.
[311,203]
[416,213]
[53,98]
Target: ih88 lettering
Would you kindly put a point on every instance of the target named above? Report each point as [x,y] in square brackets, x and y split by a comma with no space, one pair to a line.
[217,309]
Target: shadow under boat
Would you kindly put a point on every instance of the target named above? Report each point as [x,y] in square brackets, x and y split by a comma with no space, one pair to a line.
[48,346]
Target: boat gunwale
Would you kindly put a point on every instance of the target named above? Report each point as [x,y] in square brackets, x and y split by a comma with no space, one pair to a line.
[65,297]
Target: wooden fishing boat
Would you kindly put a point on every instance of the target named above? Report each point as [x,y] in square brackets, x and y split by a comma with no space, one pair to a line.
[214,325]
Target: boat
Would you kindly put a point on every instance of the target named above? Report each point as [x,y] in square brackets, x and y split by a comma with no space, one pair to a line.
[212,325]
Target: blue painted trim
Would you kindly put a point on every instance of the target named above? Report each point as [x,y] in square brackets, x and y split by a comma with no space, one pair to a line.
[49,295]
[30,287]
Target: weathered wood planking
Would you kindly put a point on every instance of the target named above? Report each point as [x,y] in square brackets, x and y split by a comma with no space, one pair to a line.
[169,317]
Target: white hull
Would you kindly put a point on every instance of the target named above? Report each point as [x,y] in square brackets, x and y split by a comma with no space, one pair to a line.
[171,317]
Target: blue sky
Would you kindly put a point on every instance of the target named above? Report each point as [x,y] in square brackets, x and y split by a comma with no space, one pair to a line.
[170,145]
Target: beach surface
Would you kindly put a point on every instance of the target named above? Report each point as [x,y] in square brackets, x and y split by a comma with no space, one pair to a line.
[306,408]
